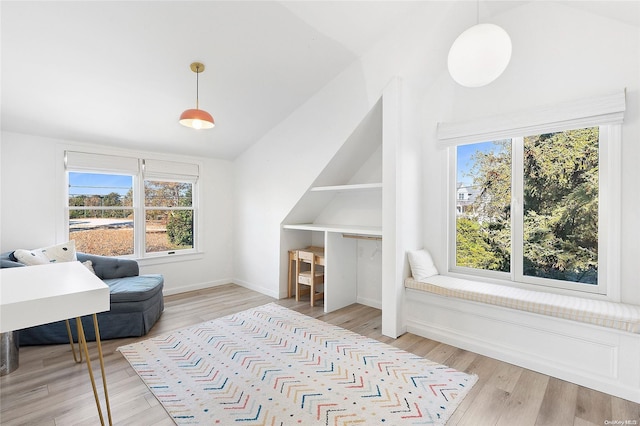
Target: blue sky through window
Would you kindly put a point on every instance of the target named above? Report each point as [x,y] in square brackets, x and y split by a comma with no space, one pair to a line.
[464,162]
[98,184]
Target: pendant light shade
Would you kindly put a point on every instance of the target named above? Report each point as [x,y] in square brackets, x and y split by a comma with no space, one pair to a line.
[197,118]
[479,55]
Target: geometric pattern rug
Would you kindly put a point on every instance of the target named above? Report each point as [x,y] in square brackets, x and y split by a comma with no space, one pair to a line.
[274,366]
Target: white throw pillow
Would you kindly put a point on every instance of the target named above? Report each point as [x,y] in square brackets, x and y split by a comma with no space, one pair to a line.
[30,257]
[422,266]
[65,252]
[89,265]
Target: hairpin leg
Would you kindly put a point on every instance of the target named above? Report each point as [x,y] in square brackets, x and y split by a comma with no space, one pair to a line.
[76,358]
[104,376]
[83,342]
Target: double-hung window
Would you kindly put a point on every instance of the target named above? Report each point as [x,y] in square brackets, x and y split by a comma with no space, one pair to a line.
[169,207]
[541,196]
[124,206]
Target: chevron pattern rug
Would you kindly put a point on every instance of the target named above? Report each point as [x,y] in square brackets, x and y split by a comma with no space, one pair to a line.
[274,366]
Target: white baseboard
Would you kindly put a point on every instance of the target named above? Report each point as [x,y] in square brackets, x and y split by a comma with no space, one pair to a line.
[199,286]
[191,287]
[369,302]
[599,358]
[264,290]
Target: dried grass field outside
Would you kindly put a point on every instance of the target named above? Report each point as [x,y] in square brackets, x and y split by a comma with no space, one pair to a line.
[115,238]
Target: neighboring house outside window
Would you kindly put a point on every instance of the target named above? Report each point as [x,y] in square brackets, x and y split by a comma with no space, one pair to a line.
[123,206]
[466,197]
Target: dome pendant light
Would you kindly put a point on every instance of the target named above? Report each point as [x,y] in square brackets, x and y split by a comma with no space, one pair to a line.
[480,54]
[197,118]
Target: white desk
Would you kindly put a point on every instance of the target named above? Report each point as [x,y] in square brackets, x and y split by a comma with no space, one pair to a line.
[36,295]
[340,260]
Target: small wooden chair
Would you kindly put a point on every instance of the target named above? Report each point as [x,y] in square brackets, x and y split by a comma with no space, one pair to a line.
[309,272]
[293,263]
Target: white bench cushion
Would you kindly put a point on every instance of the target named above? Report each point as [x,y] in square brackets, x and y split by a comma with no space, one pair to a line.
[599,312]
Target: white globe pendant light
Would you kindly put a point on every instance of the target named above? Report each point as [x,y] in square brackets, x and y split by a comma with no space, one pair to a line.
[479,55]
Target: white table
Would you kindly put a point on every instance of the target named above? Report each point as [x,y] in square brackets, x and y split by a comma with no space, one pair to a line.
[340,259]
[36,295]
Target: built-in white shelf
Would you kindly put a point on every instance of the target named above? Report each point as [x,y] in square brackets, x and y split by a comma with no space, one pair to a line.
[345,229]
[347,188]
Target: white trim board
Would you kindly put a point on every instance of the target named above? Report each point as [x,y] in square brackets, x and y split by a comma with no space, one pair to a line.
[599,358]
[595,111]
[347,229]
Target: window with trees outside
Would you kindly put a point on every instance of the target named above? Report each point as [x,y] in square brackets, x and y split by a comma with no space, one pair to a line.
[559,188]
[121,206]
[168,215]
[538,206]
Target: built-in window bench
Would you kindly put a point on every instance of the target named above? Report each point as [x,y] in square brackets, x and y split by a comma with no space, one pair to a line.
[593,343]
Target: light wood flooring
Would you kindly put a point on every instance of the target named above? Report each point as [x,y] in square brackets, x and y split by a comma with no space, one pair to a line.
[50,389]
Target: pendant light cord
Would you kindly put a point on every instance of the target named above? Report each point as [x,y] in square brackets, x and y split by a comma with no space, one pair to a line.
[197,87]
[477,12]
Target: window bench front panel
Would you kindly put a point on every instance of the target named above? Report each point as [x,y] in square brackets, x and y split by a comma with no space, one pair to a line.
[490,320]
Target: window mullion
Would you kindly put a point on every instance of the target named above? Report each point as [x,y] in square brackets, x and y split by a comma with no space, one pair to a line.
[609,211]
[451,211]
[100,208]
[139,215]
[517,207]
[177,208]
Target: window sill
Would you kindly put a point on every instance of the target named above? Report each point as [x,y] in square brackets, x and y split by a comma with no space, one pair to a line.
[532,287]
[170,258]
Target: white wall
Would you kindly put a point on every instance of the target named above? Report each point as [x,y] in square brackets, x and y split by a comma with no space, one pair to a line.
[276,171]
[28,193]
[560,54]
[32,196]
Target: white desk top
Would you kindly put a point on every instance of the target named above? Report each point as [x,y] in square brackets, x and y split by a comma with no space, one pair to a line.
[35,295]
[347,229]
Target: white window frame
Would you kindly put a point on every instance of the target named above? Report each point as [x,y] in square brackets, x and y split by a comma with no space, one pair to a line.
[77,160]
[132,208]
[607,112]
[169,171]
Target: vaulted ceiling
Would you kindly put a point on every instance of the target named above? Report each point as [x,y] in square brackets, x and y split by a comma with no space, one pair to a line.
[117,73]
